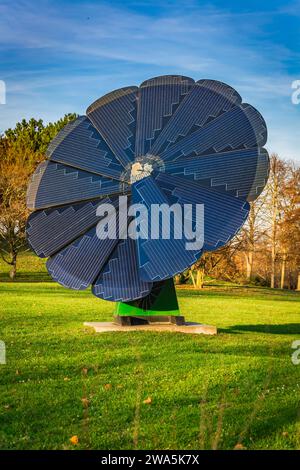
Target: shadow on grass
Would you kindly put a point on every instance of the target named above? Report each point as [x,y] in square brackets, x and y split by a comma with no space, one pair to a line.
[275,425]
[285,329]
[241,293]
[26,277]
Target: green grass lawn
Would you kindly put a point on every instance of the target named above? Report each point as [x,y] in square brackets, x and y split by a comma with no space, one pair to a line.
[62,379]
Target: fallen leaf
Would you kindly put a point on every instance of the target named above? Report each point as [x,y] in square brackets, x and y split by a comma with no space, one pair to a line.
[85,402]
[239,447]
[107,386]
[147,401]
[85,370]
[285,434]
[74,440]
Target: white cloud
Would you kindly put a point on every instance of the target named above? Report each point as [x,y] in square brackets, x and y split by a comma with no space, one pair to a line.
[69,54]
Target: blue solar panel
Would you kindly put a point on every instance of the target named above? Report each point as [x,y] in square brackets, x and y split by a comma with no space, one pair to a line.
[242,173]
[114,116]
[54,184]
[50,230]
[160,258]
[169,141]
[223,214]
[79,144]
[207,100]
[240,128]
[120,279]
[158,99]
[79,264]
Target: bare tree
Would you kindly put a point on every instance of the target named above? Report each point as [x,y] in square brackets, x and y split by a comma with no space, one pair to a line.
[267,247]
[252,233]
[273,209]
[220,264]
[289,224]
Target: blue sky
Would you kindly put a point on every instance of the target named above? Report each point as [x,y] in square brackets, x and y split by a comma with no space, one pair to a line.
[59,56]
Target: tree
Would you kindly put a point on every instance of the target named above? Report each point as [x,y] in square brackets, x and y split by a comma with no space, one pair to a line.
[21,149]
[267,248]
[289,225]
[220,264]
[33,136]
[273,209]
[13,213]
[252,233]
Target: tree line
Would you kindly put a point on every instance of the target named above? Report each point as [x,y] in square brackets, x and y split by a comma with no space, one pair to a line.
[266,251]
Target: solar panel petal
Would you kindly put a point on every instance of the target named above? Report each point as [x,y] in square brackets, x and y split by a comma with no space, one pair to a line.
[160,258]
[206,100]
[49,230]
[54,184]
[224,214]
[80,145]
[241,127]
[114,116]
[120,280]
[158,99]
[78,265]
[242,173]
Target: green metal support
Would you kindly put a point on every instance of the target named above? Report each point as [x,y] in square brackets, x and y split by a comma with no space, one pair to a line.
[162,301]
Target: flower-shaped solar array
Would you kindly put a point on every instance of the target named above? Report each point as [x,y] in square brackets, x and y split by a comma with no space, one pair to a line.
[171,140]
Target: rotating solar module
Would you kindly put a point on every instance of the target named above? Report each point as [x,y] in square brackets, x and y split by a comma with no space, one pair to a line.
[171,140]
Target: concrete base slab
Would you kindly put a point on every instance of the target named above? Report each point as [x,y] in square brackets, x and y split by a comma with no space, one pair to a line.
[188,327]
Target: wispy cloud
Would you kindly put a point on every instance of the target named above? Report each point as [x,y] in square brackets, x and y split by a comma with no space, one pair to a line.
[62,55]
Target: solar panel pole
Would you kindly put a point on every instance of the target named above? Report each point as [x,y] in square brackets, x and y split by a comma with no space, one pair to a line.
[160,306]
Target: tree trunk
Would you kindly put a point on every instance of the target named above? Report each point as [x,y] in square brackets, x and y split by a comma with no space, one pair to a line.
[193,279]
[289,280]
[283,265]
[13,271]
[298,282]
[249,265]
[251,241]
[273,270]
[200,279]
[274,233]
